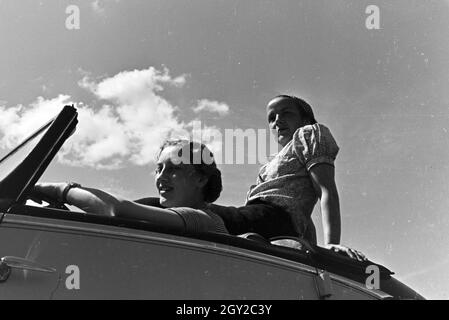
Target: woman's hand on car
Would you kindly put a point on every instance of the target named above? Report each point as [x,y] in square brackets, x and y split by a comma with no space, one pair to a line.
[51,190]
[354,254]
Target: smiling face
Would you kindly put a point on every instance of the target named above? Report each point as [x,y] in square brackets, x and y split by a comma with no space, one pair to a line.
[284,118]
[178,184]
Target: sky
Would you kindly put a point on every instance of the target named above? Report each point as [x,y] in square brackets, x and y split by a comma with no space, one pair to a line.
[141,70]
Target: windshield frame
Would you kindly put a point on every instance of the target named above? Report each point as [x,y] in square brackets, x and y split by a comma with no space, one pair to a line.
[15,187]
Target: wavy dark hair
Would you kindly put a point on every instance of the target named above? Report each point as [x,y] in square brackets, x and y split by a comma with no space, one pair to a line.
[203,161]
[305,109]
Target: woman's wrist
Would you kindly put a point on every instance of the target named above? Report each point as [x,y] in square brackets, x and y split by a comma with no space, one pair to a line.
[66,190]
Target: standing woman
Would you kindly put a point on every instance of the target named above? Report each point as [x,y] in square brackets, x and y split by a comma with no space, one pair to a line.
[289,185]
[187,180]
[303,171]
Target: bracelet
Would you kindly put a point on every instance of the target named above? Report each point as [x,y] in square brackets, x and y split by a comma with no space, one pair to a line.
[67,189]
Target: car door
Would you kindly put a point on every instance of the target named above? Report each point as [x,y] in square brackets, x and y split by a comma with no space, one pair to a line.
[93,261]
[21,276]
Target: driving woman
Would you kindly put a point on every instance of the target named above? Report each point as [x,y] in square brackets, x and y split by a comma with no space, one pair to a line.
[187,180]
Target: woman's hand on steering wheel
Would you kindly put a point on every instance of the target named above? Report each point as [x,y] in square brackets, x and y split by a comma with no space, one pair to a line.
[50,193]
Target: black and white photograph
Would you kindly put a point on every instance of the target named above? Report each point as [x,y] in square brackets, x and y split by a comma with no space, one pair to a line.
[213,152]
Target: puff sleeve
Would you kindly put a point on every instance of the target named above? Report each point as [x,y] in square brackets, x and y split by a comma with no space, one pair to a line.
[314,144]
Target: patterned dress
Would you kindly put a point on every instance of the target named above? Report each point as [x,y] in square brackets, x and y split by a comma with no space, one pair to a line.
[285,182]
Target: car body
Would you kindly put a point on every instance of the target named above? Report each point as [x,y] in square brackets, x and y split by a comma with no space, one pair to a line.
[50,253]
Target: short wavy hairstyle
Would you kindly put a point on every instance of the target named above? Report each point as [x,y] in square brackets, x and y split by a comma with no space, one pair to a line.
[305,109]
[203,162]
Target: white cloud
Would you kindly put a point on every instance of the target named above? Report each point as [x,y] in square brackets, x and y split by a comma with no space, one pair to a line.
[87,84]
[132,121]
[147,117]
[18,122]
[137,85]
[100,140]
[212,106]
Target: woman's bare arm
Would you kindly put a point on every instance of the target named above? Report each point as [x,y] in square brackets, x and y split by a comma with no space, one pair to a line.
[99,202]
[323,178]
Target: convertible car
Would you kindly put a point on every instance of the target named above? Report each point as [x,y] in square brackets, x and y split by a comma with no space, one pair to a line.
[54,253]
